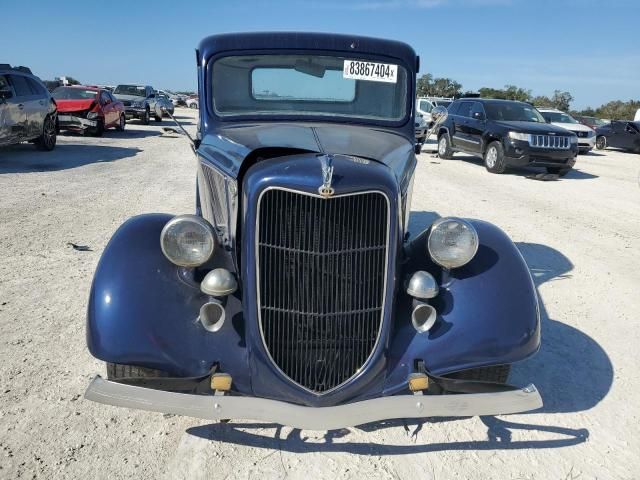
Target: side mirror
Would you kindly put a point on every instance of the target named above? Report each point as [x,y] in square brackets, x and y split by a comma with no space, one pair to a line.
[478,116]
[630,129]
[439,115]
[153,95]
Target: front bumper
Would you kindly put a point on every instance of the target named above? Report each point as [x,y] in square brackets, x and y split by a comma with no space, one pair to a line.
[520,154]
[586,144]
[421,133]
[74,122]
[217,407]
[134,112]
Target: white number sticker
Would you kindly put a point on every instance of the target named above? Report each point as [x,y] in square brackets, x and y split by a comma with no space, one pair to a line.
[374,72]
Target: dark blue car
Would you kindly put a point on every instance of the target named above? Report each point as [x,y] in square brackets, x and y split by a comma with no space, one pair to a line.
[295,293]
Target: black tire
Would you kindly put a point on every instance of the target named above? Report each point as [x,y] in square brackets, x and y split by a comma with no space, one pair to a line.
[116,371]
[558,171]
[146,118]
[157,118]
[99,128]
[47,141]
[494,158]
[497,373]
[122,123]
[444,147]
[601,142]
[418,148]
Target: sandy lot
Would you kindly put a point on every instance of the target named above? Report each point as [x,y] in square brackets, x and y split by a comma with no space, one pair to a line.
[580,236]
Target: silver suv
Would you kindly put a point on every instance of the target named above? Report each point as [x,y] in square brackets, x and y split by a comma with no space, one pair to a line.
[27,111]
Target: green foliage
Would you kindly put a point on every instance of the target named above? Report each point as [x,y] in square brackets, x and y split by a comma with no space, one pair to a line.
[72,81]
[427,86]
[446,87]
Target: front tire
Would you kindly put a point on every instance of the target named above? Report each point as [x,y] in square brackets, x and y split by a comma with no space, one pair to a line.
[601,142]
[444,147]
[417,149]
[146,118]
[494,158]
[99,128]
[117,371]
[496,373]
[121,123]
[157,118]
[47,141]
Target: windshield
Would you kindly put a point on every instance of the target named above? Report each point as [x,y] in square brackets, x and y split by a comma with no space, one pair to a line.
[443,103]
[309,85]
[558,117]
[69,93]
[130,90]
[512,112]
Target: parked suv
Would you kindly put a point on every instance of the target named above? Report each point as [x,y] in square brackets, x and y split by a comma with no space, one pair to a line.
[424,105]
[586,135]
[139,102]
[506,134]
[27,111]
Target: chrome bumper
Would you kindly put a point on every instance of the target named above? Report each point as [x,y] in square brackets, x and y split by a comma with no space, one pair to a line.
[217,407]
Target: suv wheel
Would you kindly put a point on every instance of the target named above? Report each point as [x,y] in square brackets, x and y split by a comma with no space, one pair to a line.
[146,118]
[494,158]
[601,142]
[47,141]
[444,147]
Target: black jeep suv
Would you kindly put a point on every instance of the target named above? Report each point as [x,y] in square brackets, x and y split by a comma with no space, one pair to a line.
[506,133]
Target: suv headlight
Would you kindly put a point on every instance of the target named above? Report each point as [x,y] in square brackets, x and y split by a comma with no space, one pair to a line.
[136,104]
[452,242]
[519,136]
[591,133]
[187,240]
[92,115]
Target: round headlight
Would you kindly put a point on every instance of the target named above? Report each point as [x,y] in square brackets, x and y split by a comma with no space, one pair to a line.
[453,242]
[187,240]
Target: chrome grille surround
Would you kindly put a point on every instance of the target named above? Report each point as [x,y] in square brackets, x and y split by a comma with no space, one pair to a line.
[554,142]
[304,323]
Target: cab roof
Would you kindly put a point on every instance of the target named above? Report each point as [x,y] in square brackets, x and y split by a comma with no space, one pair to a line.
[352,44]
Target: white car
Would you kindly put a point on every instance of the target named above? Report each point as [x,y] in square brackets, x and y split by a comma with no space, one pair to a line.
[424,105]
[192,102]
[586,135]
[637,117]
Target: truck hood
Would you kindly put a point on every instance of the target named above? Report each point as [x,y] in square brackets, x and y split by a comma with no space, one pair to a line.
[533,127]
[74,105]
[131,98]
[574,127]
[378,144]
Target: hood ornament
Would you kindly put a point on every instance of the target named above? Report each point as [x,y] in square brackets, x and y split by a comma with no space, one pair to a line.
[326,190]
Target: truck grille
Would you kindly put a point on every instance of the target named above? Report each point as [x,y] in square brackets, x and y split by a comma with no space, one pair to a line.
[549,141]
[321,276]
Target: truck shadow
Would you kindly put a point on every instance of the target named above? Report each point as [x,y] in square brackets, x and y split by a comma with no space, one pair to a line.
[26,159]
[574,174]
[572,372]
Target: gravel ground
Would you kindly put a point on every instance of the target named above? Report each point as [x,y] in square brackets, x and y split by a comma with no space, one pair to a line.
[579,235]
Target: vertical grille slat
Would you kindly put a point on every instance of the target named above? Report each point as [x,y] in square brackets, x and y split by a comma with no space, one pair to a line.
[550,141]
[322,270]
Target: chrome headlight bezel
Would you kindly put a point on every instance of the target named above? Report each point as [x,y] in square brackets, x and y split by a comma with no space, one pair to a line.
[172,240]
[92,115]
[435,245]
[519,136]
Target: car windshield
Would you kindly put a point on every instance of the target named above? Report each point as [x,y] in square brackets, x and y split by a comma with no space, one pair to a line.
[558,117]
[71,93]
[130,90]
[443,103]
[309,85]
[512,112]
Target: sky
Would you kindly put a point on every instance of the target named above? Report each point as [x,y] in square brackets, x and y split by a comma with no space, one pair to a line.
[590,48]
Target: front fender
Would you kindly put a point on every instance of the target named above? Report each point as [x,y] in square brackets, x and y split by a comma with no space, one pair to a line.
[488,311]
[143,310]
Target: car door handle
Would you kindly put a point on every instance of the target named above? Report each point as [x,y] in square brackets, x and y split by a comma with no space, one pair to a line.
[21,106]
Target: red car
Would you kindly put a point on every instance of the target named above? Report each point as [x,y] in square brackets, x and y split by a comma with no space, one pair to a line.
[88,109]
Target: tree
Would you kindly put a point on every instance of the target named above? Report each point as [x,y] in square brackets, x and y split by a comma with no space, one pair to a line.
[427,86]
[562,100]
[618,110]
[72,81]
[509,92]
[543,101]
